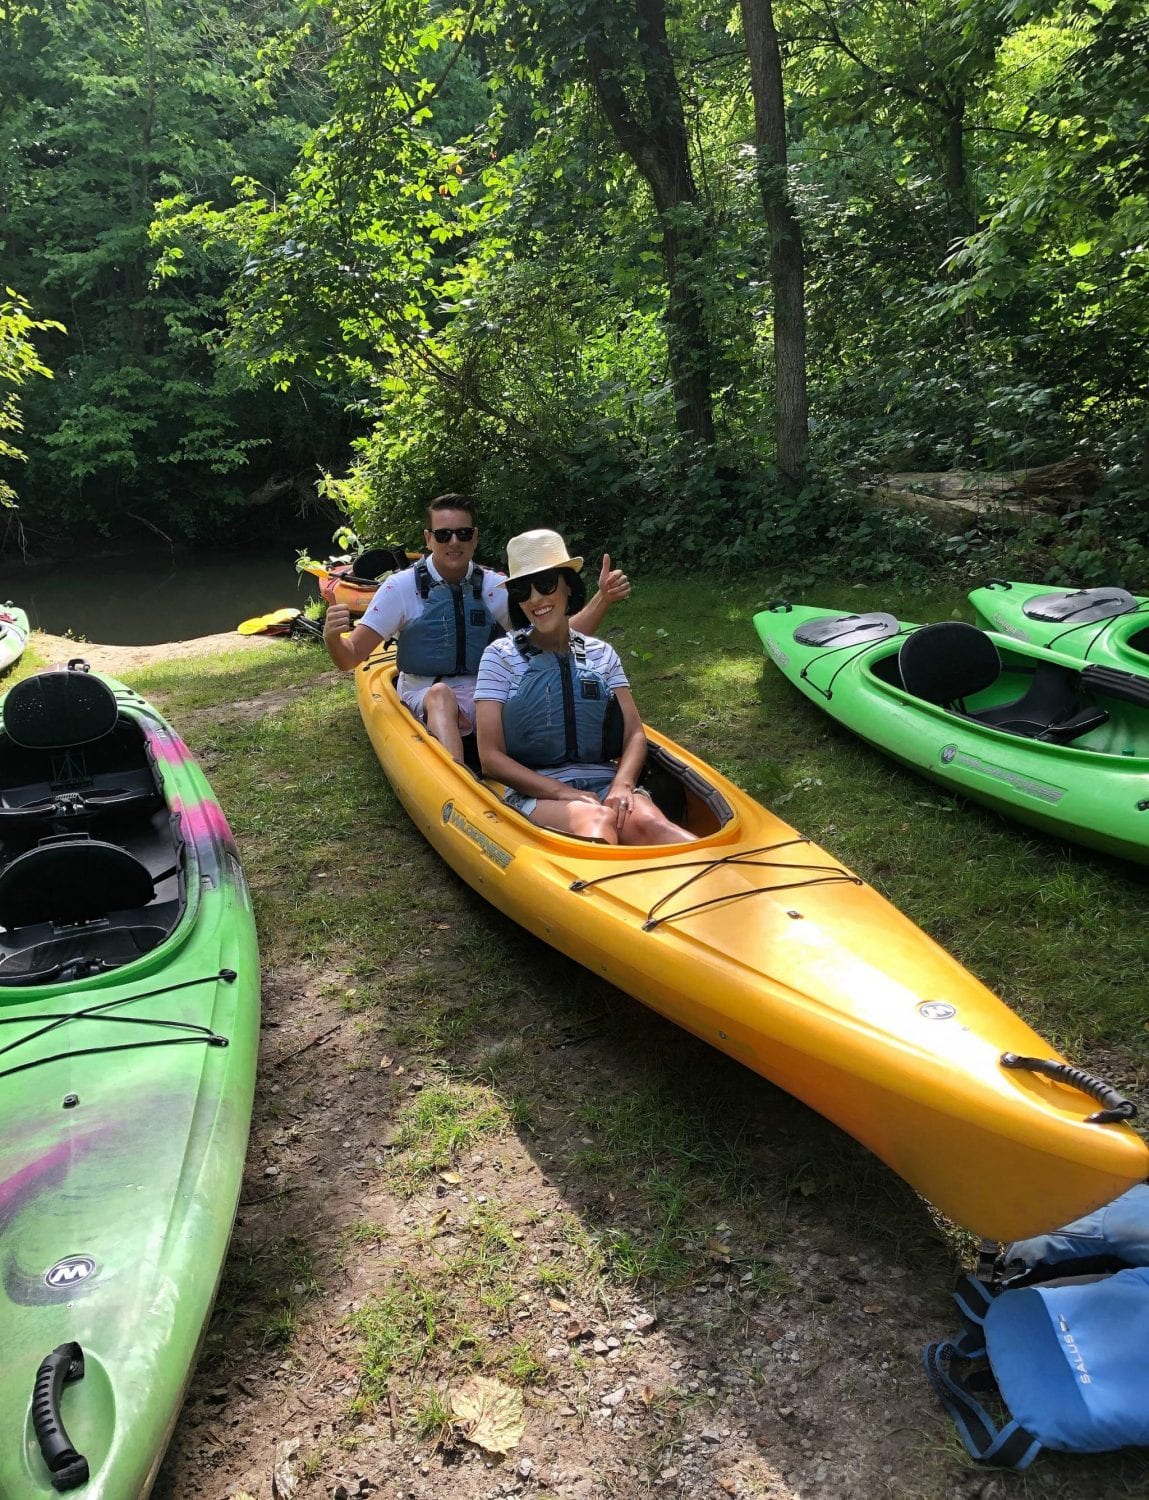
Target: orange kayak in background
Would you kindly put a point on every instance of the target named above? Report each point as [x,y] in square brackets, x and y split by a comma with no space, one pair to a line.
[763,945]
[354,582]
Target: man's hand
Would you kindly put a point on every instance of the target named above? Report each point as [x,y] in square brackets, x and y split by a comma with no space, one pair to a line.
[612,582]
[337,621]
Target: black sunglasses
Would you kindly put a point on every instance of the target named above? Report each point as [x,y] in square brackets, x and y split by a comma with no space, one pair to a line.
[519,589]
[445,533]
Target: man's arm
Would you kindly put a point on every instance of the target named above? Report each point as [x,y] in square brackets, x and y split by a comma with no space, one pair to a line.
[347,647]
[613,585]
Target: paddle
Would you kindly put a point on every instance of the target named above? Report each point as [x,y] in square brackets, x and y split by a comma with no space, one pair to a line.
[278,622]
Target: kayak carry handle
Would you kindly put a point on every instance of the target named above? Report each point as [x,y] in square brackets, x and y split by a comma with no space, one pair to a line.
[1117,1107]
[779,607]
[65,1364]
[996,583]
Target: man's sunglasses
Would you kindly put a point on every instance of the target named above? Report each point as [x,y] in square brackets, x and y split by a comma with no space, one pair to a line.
[519,589]
[445,533]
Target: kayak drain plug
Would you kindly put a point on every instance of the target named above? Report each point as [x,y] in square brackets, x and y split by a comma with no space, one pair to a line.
[71,1100]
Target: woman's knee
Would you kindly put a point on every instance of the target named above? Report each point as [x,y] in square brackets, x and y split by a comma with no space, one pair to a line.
[645,820]
[592,822]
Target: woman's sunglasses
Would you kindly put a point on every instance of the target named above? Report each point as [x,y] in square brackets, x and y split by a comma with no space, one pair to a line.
[519,589]
[445,533]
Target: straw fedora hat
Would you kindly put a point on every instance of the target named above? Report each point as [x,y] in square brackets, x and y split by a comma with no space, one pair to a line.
[535,552]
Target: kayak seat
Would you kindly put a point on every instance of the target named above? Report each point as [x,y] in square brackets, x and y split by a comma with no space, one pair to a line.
[67,754]
[65,880]
[56,709]
[369,566]
[951,661]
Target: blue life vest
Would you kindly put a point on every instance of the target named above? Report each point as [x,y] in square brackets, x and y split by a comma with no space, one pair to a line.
[453,630]
[562,710]
[1066,1338]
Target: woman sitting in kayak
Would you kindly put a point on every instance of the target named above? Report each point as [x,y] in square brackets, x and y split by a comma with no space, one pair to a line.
[554,714]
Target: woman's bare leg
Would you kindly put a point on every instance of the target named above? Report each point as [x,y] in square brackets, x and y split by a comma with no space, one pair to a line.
[589,820]
[645,824]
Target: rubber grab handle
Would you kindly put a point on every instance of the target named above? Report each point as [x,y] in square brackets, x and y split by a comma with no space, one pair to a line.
[997,583]
[779,607]
[65,1364]
[1117,1107]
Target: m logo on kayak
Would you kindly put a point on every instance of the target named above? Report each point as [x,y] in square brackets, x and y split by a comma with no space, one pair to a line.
[937,1010]
[70,1271]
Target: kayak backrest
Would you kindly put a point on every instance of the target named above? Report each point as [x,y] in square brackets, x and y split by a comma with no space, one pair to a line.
[948,662]
[72,879]
[369,566]
[59,710]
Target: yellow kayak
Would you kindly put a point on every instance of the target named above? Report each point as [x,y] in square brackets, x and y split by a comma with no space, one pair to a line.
[760,943]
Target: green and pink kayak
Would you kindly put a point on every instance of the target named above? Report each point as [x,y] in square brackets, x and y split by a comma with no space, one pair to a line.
[13,634]
[129,1023]
[1031,732]
[1108,626]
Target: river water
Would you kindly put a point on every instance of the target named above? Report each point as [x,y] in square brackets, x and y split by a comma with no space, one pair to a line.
[142,601]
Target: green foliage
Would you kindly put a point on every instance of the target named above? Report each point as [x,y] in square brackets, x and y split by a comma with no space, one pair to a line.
[103,111]
[18,361]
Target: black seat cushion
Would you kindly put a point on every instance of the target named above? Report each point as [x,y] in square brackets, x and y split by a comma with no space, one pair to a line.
[58,710]
[947,662]
[66,880]
[370,565]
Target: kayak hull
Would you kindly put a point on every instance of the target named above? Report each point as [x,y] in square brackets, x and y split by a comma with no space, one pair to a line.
[790,964]
[120,1170]
[14,631]
[1090,791]
[1120,639]
[336,588]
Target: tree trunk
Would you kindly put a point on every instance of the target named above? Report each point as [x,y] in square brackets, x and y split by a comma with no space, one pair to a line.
[657,144]
[787,261]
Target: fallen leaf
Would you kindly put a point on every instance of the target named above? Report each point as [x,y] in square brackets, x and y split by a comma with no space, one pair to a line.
[386,1062]
[488,1414]
[439,1218]
[646,1395]
[575,1330]
[718,1250]
[556,1304]
[450,1178]
[729,1485]
[873,1307]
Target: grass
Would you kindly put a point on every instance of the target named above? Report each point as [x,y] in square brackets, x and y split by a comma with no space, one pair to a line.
[669,1159]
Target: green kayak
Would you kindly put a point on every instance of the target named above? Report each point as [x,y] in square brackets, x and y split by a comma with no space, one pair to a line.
[13,634]
[1108,626]
[129,1022]
[1028,731]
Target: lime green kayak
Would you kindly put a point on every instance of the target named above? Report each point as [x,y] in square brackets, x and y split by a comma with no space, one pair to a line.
[1108,626]
[13,634]
[129,1022]
[1030,732]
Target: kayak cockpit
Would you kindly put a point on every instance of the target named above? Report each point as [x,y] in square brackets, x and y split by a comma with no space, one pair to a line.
[91,870]
[960,669]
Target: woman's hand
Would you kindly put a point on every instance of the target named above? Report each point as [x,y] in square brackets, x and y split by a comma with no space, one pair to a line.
[620,800]
[612,582]
[573,794]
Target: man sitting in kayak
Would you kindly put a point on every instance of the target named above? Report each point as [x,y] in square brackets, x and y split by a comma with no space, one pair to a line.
[555,717]
[444,610]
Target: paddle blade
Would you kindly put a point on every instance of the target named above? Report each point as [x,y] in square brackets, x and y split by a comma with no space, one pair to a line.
[278,622]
